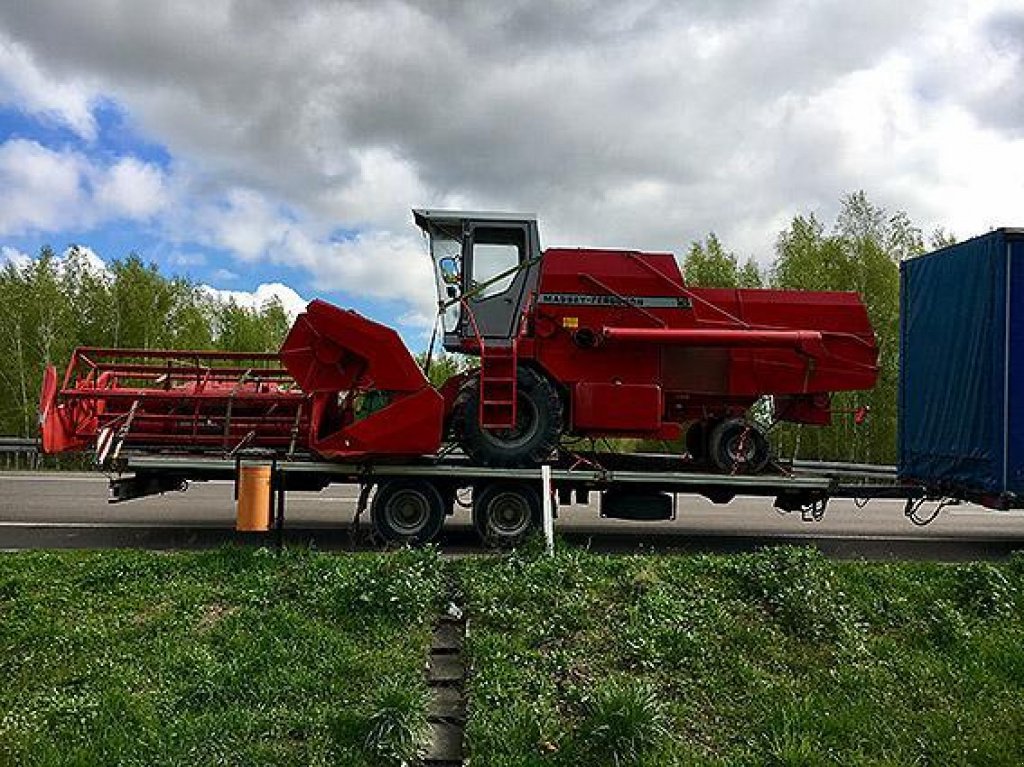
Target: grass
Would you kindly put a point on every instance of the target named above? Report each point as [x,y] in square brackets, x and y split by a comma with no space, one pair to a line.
[246,657]
[234,657]
[775,658]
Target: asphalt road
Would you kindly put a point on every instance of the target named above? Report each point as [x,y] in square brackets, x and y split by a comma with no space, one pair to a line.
[46,499]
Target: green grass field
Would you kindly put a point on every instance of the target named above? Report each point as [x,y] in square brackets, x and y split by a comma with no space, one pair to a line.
[776,658]
[235,657]
[248,657]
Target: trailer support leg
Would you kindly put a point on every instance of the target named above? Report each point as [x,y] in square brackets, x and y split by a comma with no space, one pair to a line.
[278,517]
[547,508]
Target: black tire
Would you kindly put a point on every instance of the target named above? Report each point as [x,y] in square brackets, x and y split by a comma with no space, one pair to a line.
[407,511]
[535,436]
[737,446]
[504,513]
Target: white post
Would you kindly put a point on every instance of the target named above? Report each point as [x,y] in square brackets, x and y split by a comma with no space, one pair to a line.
[548,509]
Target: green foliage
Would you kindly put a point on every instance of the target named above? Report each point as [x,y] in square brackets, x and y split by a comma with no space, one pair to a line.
[241,329]
[443,365]
[862,254]
[709,265]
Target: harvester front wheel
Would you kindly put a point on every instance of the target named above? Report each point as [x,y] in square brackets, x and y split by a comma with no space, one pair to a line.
[535,434]
[407,511]
[505,512]
[737,446]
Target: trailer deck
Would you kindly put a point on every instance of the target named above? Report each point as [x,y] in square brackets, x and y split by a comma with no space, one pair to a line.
[636,487]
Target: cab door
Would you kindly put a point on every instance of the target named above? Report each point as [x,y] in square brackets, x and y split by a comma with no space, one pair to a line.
[497,258]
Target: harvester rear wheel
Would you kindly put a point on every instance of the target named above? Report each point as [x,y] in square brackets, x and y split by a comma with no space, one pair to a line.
[407,511]
[533,438]
[505,512]
[737,446]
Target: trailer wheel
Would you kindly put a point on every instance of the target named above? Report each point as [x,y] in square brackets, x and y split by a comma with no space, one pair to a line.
[407,511]
[504,513]
[529,442]
[737,446]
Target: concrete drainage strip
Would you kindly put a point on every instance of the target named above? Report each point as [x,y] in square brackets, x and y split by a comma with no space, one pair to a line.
[446,676]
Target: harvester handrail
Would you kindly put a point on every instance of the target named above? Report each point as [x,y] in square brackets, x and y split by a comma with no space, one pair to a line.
[197,354]
[686,291]
[625,302]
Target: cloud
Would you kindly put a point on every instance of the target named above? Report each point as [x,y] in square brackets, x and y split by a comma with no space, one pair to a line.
[17,258]
[301,138]
[24,85]
[60,189]
[39,187]
[131,188]
[292,302]
[87,257]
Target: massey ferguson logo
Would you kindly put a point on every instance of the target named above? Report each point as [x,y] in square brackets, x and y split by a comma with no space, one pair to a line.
[587,299]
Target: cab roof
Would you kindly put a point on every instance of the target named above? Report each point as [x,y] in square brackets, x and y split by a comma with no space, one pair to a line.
[425,216]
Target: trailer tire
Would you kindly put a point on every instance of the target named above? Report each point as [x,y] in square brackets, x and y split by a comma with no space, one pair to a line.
[737,446]
[407,511]
[504,513]
[538,426]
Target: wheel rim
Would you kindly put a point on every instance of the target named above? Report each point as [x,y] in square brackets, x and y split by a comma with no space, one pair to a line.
[741,448]
[508,515]
[407,512]
[527,421]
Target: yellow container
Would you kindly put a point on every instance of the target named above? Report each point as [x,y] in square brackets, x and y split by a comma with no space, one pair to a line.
[252,514]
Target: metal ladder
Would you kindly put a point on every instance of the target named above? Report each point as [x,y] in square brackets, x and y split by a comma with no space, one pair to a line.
[498,385]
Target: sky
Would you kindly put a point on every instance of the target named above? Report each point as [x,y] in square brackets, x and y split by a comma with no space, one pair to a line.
[271,148]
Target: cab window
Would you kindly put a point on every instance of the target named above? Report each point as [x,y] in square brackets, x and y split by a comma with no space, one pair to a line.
[496,251]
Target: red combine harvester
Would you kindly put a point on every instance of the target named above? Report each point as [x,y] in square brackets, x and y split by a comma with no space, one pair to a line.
[588,343]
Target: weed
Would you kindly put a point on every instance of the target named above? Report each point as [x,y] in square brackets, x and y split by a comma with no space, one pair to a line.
[624,722]
[397,727]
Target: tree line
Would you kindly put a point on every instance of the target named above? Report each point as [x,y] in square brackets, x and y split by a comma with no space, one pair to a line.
[50,304]
[861,251]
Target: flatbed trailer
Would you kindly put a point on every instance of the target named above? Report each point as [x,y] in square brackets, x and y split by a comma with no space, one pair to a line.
[408,501]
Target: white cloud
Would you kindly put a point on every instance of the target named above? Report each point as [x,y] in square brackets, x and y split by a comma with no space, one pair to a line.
[87,257]
[131,188]
[9,255]
[44,189]
[39,188]
[292,302]
[644,126]
[24,85]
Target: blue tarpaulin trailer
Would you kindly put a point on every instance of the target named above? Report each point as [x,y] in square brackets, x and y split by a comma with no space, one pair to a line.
[961,388]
